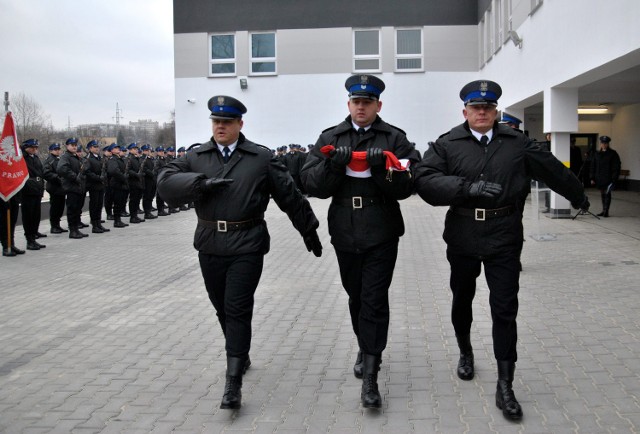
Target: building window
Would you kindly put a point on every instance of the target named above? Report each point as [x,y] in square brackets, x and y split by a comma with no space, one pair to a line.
[223,55]
[263,53]
[408,50]
[366,50]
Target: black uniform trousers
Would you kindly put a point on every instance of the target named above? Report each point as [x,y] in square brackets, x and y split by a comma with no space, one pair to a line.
[502,273]
[366,277]
[96,200]
[13,206]
[108,200]
[31,212]
[149,194]
[231,283]
[56,208]
[119,200]
[75,202]
[135,196]
[160,204]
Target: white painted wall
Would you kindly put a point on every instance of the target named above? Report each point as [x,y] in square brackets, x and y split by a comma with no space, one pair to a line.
[296,108]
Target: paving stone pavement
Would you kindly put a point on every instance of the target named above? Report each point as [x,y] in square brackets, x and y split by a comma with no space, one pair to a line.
[114,334]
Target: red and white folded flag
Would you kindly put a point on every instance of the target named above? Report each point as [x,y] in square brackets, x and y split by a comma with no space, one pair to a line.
[358,167]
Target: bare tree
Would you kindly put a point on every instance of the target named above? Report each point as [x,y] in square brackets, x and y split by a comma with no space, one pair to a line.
[31,121]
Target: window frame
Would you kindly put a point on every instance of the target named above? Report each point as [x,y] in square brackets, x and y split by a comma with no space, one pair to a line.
[357,57]
[233,60]
[411,56]
[274,59]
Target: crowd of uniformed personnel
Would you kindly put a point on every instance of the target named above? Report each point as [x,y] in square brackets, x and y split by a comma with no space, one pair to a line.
[119,182]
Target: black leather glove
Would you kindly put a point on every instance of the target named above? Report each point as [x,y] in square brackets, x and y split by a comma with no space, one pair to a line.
[582,205]
[484,189]
[375,157]
[312,242]
[210,184]
[341,157]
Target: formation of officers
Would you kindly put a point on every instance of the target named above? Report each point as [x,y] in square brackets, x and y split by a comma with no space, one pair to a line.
[120,182]
[481,169]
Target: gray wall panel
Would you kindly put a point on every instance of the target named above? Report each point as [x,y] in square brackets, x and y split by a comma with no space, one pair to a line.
[190,16]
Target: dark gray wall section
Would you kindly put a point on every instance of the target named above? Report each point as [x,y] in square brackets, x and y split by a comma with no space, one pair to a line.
[192,16]
[483,5]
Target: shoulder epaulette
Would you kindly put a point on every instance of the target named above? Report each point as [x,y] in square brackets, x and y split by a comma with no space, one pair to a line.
[330,128]
[442,135]
[396,128]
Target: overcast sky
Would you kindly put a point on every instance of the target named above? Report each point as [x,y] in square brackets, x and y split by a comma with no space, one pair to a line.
[78,58]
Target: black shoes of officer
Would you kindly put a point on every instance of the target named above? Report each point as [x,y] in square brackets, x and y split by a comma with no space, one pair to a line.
[184,208]
[99,224]
[17,251]
[149,216]
[8,252]
[95,228]
[34,245]
[357,368]
[39,235]
[370,395]
[74,232]
[58,229]
[82,225]
[505,398]
[135,219]
[162,213]
[465,363]
[232,398]
[125,214]
[118,223]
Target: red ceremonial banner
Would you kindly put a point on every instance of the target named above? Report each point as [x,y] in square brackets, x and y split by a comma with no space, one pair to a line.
[13,168]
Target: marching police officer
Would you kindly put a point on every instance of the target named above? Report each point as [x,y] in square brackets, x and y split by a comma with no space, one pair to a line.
[32,193]
[104,175]
[95,186]
[71,169]
[482,170]
[53,186]
[231,180]
[349,164]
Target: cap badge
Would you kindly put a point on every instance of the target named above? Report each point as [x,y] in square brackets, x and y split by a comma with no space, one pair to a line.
[220,100]
[364,80]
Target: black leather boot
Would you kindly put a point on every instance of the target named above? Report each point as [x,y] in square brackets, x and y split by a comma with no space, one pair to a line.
[232,397]
[505,398]
[465,363]
[370,395]
[357,368]
[102,227]
[95,228]
[31,243]
[8,252]
[149,216]
[75,233]
[118,223]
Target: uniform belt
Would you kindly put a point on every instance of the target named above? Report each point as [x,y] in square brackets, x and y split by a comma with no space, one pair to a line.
[225,226]
[482,214]
[357,202]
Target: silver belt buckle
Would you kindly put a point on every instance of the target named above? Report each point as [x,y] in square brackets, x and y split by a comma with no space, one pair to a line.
[222,226]
[356,201]
[480,214]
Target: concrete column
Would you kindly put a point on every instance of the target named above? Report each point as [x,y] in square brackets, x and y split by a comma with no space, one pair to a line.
[560,119]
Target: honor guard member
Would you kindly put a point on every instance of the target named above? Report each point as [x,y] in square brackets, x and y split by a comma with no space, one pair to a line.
[511,121]
[136,179]
[108,194]
[118,183]
[605,170]
[95,187]
[54,188]
[231,180]
[349,164]
[482,169]
[181,151]
[159,164]
[32,193]
[8,228]
[71,170]
[149,182]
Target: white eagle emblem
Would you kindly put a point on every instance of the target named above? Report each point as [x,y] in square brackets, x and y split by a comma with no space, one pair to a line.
[8,151]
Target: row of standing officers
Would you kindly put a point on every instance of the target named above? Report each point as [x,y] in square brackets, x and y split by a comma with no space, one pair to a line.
[480,169]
